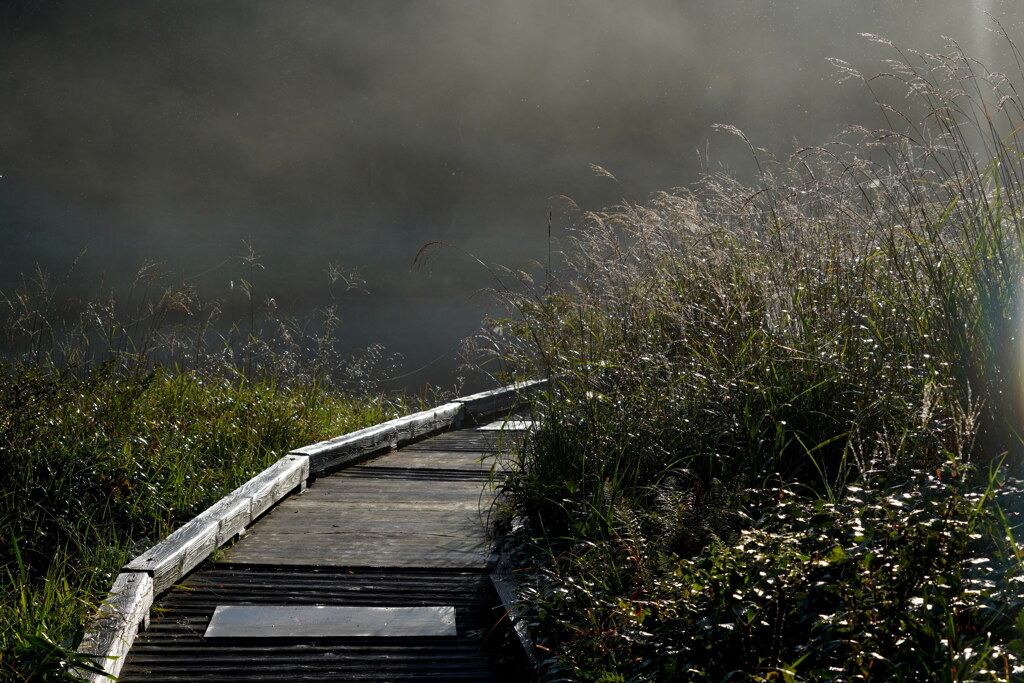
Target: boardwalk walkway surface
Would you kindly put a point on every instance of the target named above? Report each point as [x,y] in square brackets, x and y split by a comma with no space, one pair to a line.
[408,529]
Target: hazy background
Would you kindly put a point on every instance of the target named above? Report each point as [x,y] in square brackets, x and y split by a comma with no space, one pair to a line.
[357,132]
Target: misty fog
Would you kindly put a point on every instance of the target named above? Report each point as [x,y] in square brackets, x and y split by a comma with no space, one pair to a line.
[357,132]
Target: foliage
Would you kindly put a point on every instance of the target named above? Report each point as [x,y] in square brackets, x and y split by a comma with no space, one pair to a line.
[104,448]
[910,580]
[773,409]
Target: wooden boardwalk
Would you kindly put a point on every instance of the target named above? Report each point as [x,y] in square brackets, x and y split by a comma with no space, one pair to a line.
[409,529]
[424,506]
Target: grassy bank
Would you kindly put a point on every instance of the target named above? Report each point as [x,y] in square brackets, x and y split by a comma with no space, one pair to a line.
[119,420]
[784,441]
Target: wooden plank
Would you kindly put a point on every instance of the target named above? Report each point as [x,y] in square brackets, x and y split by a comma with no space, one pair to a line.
[411,527]
[505,587]
[496,400]
[338,552]
[366,542]
[361,551]
[336,514]
[343,507]
[274,483]
[391,477]
[179,553]
[335,486]
[350,448]
[371,495]
[380,500]
[314,517]
[452,460]
[173,557]
[111,634]
[366,549]
[427,475]
[483,443]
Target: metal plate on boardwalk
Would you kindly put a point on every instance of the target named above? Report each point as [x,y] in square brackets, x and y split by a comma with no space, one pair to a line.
[329,621]
[513,425]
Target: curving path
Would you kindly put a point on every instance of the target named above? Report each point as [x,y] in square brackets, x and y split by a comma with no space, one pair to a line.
[335,566]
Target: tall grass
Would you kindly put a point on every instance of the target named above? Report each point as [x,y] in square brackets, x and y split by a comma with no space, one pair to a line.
[744,372]
[122,417]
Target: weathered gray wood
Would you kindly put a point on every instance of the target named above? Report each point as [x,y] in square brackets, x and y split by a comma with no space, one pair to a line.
[111,634]
[233,513]
[382,499]
[173,557]
[375,539]
[311,517]
[394,486]
[343,507]
[350,448]
[274,483]
[448,460]
[435,526]
[362,551]
[496,400]
[389,490]
[347,511]
[329,621]
[504,586]
[179,553]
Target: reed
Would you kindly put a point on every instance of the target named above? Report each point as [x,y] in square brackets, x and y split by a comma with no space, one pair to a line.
[786,417]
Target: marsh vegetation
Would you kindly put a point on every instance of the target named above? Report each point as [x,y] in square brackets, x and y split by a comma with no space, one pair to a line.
[122,417]
[783,439]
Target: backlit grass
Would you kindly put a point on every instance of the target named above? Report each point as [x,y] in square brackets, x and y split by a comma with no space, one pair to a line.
[784,431]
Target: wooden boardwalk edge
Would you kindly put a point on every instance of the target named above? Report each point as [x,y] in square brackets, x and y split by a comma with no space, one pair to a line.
[505,586]
[347,450]
[179,553]
[112,631]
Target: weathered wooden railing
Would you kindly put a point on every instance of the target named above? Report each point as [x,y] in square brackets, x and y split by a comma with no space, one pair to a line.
[127,608]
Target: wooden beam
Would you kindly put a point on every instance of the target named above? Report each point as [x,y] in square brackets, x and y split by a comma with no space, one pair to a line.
[274,483]
[505,586]
[349,449]
[112,632]
[176,555]
[497,400]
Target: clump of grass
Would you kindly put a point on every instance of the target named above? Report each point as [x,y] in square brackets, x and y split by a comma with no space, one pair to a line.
[121,419]
[740,374]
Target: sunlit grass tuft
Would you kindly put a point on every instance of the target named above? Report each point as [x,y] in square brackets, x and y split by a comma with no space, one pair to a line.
[785,419]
